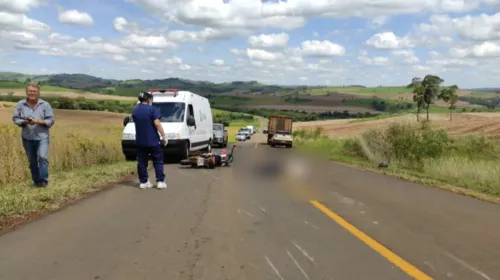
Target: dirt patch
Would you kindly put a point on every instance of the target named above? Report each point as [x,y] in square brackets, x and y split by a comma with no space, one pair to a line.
[72,117]
[487,124]
[73,95]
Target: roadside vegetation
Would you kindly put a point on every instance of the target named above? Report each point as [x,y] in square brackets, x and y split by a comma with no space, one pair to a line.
[81,158]
[419,152]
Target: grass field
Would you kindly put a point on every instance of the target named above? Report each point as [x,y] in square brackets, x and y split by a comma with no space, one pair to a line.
[84,153]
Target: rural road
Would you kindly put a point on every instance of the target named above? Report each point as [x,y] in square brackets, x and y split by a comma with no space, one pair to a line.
[251,221]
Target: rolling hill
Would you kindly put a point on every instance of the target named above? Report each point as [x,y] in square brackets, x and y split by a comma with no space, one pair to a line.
[89,83]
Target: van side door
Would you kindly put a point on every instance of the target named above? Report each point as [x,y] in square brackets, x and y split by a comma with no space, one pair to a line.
[192,129]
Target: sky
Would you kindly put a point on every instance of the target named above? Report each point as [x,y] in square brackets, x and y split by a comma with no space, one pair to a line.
[320,42]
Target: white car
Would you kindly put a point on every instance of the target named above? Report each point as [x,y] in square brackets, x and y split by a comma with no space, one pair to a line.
[241,136]
[247,132]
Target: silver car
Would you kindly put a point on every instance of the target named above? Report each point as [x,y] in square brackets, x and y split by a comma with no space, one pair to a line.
[241,136]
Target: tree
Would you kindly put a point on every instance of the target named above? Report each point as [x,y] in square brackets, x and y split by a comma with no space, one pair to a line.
[431,83]
[449,95]
[414,82]
[418,97]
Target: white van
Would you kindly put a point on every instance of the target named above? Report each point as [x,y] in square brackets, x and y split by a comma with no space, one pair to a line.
[186,118]
[251,128]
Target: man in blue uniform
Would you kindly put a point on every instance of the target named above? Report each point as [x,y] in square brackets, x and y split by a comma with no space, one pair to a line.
[147,125]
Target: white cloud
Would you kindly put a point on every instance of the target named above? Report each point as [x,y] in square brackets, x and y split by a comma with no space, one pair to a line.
[262,55]
[218,62]
[9,21]
[483,50]
[122,25]
[173,60]
[374,61]
[321,48]
[388,41]
[19,6]
[476,28]
[286,15]
[256,40]
[406,56]
[279,40]
[75,17]
[140,41]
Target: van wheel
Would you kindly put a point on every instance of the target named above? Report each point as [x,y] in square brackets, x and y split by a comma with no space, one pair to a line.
[185,151]
[208,149]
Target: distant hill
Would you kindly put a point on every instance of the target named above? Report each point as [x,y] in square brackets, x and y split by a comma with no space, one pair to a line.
[486,89]
[132,87]
[82,82]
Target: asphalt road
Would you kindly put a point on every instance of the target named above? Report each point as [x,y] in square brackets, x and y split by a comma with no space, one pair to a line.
[255,220]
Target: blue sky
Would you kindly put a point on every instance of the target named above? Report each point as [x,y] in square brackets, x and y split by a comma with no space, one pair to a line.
[327,42]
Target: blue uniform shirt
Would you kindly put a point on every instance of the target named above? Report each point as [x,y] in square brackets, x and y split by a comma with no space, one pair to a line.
[146,134]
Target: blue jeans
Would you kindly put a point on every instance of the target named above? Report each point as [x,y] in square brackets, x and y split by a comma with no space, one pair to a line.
[143,154]
[38,157]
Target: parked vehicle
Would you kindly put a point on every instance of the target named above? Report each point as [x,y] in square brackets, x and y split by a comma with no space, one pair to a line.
[247,132]
[241,136]
[186,118]
[252,129]
[220,135]
[279,131]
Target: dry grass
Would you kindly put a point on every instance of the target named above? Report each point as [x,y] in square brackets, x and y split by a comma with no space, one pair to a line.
[84,153]
[486,124]
[70,94]
[72,117]
[71,147]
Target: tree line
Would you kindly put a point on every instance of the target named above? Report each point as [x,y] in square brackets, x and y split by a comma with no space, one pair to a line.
[300,116]
[426,91]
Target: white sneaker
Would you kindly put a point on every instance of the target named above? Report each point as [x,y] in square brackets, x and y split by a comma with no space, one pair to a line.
[162,185]
[146,185]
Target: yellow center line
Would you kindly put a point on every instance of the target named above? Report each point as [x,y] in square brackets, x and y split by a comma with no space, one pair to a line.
[393,258]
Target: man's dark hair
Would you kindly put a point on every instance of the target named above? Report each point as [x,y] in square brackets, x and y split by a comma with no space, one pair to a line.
[145,96]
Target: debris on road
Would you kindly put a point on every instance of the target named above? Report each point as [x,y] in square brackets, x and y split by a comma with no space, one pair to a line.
[211,160]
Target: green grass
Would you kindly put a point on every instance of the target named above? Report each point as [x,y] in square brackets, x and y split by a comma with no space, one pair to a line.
[383,90]
[424,154]
[20,201]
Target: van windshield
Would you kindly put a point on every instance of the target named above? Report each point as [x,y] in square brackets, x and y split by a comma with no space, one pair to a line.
[171,111]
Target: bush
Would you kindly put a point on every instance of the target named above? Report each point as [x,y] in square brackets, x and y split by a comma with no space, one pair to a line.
[71,147]
[406,144]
